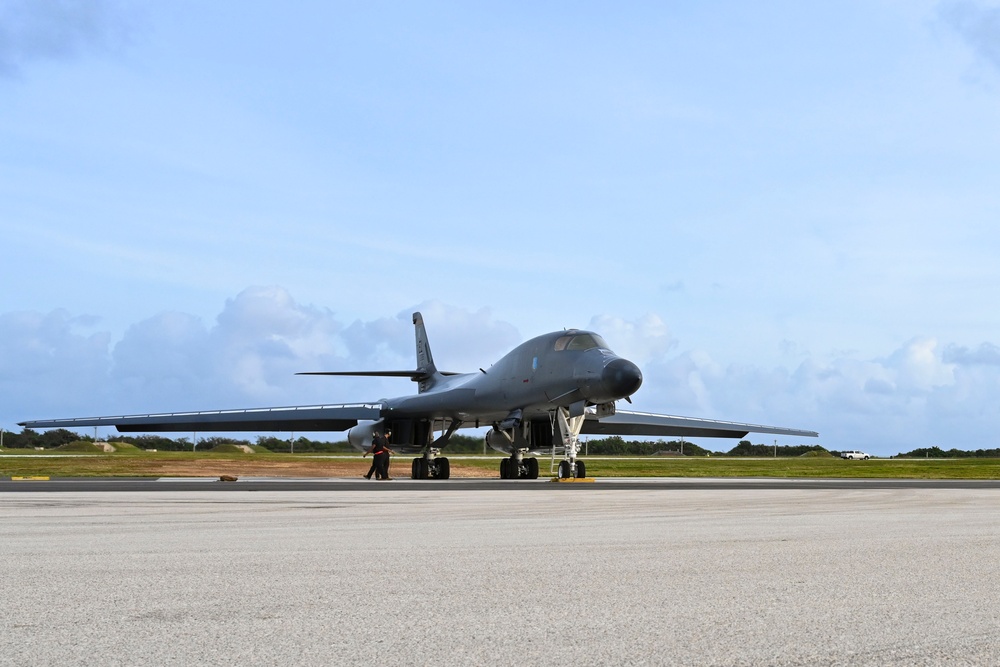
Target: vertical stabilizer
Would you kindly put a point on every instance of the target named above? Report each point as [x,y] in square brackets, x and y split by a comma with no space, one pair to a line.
[425,360]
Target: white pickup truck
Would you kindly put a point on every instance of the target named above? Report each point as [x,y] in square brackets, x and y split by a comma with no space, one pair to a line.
[854,455]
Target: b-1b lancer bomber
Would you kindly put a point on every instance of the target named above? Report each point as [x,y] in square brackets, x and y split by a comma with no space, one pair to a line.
[538,399]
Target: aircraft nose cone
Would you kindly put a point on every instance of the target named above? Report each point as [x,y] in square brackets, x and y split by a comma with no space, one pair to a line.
[621,378]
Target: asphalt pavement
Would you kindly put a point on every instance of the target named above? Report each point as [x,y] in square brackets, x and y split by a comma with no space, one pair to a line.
[500,573]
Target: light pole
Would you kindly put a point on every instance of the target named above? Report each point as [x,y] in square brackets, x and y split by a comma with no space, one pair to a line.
[775,448]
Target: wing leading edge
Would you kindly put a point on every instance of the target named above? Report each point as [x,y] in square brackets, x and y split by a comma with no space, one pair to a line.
[643,423]
[298,418]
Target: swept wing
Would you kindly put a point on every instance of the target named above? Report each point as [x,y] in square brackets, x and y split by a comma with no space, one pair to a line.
[297,418]
[644,423]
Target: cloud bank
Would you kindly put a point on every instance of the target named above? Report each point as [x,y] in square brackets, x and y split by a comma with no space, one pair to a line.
[51,363]
[32,30]
[979,26]
[924,393]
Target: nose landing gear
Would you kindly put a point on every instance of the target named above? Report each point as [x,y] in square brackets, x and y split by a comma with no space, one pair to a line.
[569,429]
[567,470]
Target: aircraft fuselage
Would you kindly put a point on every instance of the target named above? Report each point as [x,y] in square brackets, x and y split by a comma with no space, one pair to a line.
[559,369]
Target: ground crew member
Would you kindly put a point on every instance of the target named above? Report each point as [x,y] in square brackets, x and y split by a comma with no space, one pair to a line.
[380,456]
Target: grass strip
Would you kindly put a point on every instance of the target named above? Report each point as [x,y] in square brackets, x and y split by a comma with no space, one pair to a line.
[153,464]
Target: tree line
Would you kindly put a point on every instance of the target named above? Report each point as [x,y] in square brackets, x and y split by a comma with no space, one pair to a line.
[938,453]
[31,439]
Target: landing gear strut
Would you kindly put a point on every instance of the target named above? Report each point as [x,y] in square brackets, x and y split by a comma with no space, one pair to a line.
[569,429]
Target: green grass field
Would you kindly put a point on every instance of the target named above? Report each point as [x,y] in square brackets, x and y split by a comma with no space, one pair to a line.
[137,463]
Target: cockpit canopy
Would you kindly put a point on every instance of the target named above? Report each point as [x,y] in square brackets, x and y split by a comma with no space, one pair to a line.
[580,341]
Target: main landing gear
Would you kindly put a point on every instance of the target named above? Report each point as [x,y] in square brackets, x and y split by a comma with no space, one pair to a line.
[518,467]
[430,466]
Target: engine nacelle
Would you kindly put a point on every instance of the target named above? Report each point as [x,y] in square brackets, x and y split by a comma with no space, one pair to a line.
[360,436]
[499,441]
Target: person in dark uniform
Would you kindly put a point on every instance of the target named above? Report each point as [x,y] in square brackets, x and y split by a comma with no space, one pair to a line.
[374,468]
[380,456]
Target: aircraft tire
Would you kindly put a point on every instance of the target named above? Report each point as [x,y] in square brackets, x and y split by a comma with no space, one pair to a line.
[532,468]
[414,470]
[565,470]
[422,472]
[504,464]
[444,468]
[581,469]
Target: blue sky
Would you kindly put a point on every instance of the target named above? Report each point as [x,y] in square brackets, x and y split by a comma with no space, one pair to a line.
[784,212]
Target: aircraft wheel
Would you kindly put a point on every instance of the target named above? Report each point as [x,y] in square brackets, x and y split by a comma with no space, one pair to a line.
[415,469]
[532,468]
[581,469]
[513,469]
[565,470]
[444,468]
[504,464]
[422,471]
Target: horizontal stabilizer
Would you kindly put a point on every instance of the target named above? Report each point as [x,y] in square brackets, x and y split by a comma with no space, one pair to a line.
[413,375]
[302,418]
[644,423]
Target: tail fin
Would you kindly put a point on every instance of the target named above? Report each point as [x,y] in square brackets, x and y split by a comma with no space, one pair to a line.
[427,376]
[425,360]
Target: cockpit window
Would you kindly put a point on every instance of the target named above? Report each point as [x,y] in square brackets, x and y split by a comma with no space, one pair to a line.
[580,342]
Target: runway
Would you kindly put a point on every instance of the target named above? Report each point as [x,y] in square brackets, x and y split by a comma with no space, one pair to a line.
[676,572]
[119,484]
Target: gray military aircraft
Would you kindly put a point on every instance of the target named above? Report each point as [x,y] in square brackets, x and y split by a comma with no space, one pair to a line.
[538,399]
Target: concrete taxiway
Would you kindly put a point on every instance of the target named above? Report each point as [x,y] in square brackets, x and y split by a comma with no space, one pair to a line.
[85,484]
[721,572]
